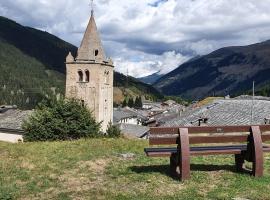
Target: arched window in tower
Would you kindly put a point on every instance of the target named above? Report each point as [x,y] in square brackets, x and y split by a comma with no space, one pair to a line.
[87,76]
[96,52]
[80,75]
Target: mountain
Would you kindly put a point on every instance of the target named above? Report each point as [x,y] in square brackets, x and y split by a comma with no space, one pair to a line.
[44,47]
[229,70]
[31,64]
[32,67]
[132,87]
[151,78]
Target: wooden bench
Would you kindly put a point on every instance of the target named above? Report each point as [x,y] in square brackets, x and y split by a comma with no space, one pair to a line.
[244,142]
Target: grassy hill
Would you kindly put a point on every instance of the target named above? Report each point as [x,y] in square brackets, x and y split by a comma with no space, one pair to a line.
[32,67]
[86,171]
[229,70]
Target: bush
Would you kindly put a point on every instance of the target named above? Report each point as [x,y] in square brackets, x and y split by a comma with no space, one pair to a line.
[113,131]
[60,120]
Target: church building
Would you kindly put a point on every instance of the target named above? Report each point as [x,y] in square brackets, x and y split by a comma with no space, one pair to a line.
[89,76]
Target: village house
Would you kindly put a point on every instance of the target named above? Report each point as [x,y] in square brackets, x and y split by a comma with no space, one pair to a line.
[11,120]
[126,116]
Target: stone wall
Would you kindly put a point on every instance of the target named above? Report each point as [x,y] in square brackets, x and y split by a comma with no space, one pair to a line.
[97,94]
[13,137]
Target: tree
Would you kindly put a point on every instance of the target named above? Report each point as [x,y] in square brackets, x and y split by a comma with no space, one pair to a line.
[60,120]
[113,131]
[130,102]
[138,102]
[124,104]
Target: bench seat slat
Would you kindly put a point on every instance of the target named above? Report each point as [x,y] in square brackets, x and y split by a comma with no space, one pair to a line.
[206,129]
[204,139]
[205,150]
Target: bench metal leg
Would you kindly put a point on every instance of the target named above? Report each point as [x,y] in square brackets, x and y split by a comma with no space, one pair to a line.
[239,162]
[257,164]
[184,154]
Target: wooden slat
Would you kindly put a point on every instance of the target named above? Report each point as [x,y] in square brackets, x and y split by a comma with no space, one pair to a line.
[204,139]
[197,153]
[266,149]
[206,129]
[202,153]
[163,140]
[217,139]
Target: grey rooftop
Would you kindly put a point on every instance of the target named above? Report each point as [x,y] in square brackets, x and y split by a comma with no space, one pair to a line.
[226,112]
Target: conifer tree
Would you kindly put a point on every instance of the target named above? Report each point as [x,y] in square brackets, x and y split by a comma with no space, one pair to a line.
[140,104]
[137,103]
[130,102]
[124,104]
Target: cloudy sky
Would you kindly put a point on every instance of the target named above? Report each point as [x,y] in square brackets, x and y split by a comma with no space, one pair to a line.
[146,36]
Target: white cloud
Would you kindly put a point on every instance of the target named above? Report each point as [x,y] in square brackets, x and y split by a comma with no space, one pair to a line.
[147,64]
[150,35]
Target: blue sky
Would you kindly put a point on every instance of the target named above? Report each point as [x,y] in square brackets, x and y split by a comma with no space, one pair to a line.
[146,36]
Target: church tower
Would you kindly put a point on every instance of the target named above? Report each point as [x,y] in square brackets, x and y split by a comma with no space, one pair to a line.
[89,76]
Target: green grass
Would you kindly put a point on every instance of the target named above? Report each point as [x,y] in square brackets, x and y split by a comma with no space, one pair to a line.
[93,169]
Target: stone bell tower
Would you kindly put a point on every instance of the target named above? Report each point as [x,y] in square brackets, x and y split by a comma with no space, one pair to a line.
[89,76]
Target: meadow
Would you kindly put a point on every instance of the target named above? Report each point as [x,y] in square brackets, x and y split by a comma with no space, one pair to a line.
[97,169]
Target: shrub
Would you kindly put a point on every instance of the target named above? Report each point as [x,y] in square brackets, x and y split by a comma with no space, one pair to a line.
[60,120]
[113,131]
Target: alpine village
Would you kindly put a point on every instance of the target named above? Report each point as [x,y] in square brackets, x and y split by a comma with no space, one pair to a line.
[76,124]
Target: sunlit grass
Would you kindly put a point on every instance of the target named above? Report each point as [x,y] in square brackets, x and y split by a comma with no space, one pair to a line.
[94,169]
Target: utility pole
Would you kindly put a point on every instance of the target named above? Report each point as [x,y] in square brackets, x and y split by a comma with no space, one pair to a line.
[252,108]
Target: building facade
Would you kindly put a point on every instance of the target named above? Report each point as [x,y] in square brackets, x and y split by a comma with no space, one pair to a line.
[89,76]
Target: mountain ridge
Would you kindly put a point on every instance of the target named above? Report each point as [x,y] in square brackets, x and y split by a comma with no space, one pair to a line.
[152,78]
[226,71]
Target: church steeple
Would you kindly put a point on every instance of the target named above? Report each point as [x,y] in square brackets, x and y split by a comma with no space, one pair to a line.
[91,46]
[90,76]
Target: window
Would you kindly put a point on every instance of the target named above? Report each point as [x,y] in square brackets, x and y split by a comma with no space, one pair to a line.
[87,74]
[80,74]
[96,52]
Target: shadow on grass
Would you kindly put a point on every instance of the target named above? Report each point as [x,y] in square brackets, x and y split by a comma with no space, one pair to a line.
[165,169]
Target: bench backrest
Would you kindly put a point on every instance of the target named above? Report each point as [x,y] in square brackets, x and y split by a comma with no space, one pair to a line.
[200,135]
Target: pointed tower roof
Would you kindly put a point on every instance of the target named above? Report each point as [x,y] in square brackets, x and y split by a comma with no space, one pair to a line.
[91,47]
